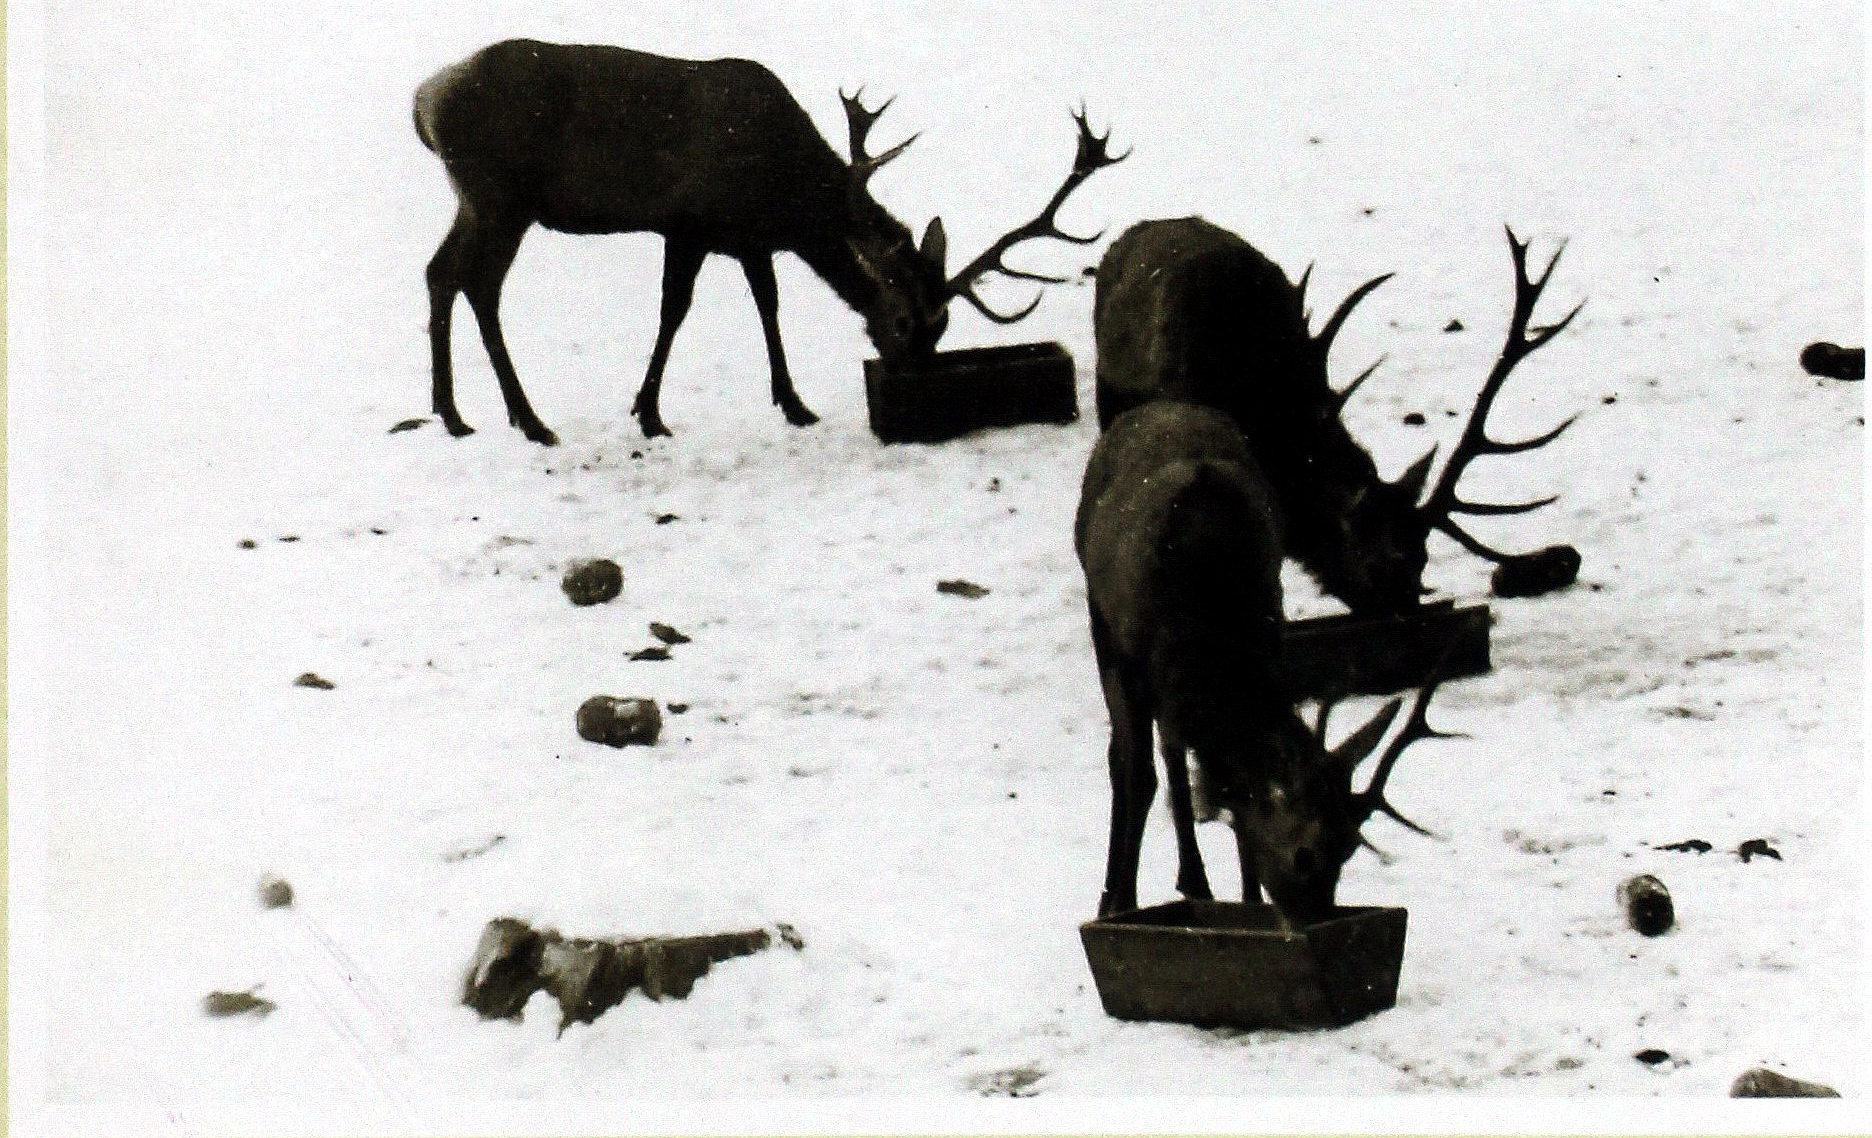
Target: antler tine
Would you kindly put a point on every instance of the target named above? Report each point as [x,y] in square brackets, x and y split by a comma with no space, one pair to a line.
[1344,395]
[1338,318]
[858,122]
[1354,748]
[1416,727]
[1521,341]
[1090,156]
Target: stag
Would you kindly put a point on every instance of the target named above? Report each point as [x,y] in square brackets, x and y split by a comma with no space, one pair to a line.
[714,155]
[1178,532]
[1186,310]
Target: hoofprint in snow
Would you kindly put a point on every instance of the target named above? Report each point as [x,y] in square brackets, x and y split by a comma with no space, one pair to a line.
[228,262]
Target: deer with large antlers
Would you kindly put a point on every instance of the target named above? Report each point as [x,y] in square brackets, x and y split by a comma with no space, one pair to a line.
[1186,310]
[1179,534]
[714,155]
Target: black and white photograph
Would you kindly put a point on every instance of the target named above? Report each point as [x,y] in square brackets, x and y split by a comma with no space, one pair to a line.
[893,567]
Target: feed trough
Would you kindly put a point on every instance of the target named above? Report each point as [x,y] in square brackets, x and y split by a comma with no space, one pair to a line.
[954,393]
[1346,655]
[1227,964]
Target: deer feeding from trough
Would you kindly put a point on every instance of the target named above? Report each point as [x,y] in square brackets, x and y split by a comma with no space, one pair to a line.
[1187,310]
[1179,535]
[713,155]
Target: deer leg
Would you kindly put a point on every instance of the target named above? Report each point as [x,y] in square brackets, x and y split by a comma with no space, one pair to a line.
[489,257]
[682,260]
[760,278]
[1251,881]
[445,281]
[1191,881]
[1133,777]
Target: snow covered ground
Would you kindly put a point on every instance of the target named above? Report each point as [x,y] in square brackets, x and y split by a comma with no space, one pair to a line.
[217,313]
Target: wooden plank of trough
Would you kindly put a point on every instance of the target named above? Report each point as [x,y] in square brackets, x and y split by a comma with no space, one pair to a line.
[1347,655]
[962,391]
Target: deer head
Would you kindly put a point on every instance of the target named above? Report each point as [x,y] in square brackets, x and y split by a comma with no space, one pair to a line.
[1305,821]
[913,282]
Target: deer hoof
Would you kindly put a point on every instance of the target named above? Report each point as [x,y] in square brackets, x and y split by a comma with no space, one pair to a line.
[653,427]
[799,416]
[458,428]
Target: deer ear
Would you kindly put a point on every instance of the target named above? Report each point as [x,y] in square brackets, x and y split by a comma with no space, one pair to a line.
[1412,483]
[935,247]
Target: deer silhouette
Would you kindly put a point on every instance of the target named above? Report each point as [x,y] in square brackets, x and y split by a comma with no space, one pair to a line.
[714,155]
[1187,310]
[1179,534]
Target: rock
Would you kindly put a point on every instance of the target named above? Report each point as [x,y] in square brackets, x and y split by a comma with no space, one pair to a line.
[1763,1083]
[313,680]
[961,588]
[221,1004]
[667,634]
[619,722]
[1647,904]
[1453,326]
[592,581]
[506,969]
[275,892]
[1830,361]
[1532,574]
[1652,1056]
[587,977]
[654,652]
[1414,419]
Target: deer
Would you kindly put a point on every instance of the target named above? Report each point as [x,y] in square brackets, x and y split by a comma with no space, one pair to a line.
[1186,310]
[1179,534]
[713,155]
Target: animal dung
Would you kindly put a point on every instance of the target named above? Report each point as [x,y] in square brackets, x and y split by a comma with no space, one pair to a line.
[223,1004]
[1764,1083]
[1227,964]
[953,393]
[405,425]
[1647,904]
[1830,361]
[275,892]
[667,634]
[1756,847]
[1349,655]
[592,581]
[1532,574]
[654,652]
[961,588]
[618,722]
[313,680]
[589,976]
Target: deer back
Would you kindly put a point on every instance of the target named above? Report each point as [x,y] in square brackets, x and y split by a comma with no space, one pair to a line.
[590,138]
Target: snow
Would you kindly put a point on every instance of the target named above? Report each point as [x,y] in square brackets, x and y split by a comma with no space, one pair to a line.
[218,313]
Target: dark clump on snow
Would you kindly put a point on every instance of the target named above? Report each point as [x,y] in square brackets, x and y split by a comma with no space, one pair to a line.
[1647,904]
[1763,1083]
[667,634]
[1830,361]
[1756,847]
[654,652]
[1689,845]
[313,680]
[619,722]
[223,1004]
[961,588]
[589,976]
[592,581]
[1532,574]
[275,892]
[406,425]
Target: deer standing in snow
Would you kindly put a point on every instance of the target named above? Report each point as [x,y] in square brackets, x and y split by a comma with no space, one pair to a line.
[1179,534]
[1187,310]
[714,155]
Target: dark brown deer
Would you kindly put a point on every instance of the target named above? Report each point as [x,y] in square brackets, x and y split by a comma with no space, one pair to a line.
[1187,310]
[714,155]
[1178,533]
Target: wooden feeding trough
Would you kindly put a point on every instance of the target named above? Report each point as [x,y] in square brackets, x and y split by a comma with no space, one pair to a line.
[1227,964]
[1346,655]
[954,393]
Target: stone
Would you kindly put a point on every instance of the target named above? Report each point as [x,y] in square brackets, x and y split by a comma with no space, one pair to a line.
[619,722]
[592,581]
[1647,904]
[1763,1083]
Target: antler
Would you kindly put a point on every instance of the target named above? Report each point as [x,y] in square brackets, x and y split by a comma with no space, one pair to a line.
[1091,157]
[1372,800]
[858,120]
[1522,341]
